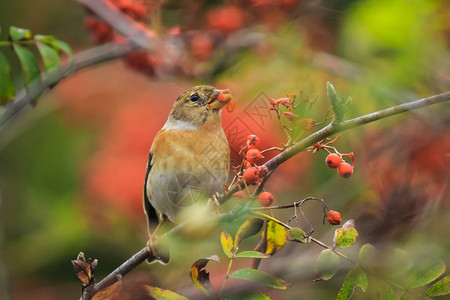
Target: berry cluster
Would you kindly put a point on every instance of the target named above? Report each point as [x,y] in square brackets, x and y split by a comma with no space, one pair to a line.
[252,173]
[335,160]
[101,32]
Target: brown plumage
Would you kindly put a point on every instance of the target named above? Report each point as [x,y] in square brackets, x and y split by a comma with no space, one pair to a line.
[189,155]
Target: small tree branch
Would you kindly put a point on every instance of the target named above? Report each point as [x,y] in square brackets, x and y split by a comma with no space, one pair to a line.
[82,60]
[336,127]
[121,23]
[122,270]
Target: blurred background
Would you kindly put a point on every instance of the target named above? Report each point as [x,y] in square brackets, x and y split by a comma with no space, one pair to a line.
[72,169]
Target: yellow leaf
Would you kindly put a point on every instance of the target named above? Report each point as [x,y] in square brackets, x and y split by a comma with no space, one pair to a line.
[276,237]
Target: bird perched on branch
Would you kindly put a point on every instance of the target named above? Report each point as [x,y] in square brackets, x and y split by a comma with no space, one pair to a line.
[189,155]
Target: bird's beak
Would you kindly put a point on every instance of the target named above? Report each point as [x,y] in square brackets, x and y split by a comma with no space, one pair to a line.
[219,98]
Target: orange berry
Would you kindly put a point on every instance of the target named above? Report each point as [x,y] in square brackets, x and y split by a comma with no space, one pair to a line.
[224,95]
[334,217]
[251,175]
[333,160]
[345,170]
[253,155]
[252,141]
[265,199]
[231,105]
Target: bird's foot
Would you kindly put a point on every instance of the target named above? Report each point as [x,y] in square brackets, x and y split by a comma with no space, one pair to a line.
[156,254]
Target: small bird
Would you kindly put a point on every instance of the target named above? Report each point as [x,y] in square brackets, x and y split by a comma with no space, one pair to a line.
[189,155]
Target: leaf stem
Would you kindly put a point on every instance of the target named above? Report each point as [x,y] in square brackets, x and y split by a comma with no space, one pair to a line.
[226,276]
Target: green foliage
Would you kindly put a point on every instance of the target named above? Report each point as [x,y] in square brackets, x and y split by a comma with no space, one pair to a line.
[251,254]
[6,84]
[356,277]
[339,105]
[345,237]
[260,277]
[440,288]
[327,264]
[297,235]
[49,49]
[386,292]
[248,229]
[425,272]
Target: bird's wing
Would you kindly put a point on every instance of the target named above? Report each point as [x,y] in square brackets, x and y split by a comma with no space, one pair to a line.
[152,215]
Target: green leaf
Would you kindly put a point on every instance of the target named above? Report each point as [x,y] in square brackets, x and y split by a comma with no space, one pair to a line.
[276,237]
[327,264]
[252,254]
[366,255]
[248,296]
[62,46]
[339,105]
[28,62]
[345,237]
[399,263]
[356,277]
[6,84]
[440,288]
[200,277]
[50,57]
[227,244]
[19,34]
[386,292]
[405,296]
[247,229]
[297,234]
[161,294]
[427,271]
[260,277]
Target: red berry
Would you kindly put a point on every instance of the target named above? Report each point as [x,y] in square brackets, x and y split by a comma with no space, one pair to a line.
[231,105]
[252,141]
[253,155]
[333,160]
[334,217]
[265,199]
[251,175]
[345,170]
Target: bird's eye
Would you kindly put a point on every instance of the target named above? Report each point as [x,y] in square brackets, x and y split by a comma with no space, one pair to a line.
[194,97]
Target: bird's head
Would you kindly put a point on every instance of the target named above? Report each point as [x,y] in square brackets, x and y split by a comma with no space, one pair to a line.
[199,105]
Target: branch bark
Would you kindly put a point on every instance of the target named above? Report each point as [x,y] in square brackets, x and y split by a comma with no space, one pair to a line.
[272,164]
